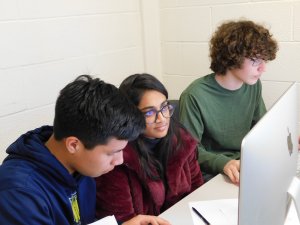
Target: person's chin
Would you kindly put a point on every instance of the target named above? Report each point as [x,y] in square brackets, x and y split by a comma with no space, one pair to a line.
[161,134]
[162,130]
[106,171]
[252,81]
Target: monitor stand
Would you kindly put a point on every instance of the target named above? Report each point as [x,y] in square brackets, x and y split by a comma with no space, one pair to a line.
[294,192]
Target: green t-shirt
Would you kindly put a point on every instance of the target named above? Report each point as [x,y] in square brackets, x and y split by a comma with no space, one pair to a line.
[219,118]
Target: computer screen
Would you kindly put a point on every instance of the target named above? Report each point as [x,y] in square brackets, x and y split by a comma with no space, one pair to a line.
[268,163]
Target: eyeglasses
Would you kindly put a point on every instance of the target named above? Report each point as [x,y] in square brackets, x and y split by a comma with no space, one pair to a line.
[256,61]
[151,115]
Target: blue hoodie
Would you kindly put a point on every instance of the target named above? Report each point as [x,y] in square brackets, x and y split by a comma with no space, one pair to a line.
[36,189]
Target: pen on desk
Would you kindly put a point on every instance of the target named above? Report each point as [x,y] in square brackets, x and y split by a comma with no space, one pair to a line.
[202,217]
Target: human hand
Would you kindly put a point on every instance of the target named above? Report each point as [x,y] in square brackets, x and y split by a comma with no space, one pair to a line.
[232,170]
[146,220]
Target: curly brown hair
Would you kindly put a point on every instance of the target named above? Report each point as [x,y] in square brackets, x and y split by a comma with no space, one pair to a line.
[234,41]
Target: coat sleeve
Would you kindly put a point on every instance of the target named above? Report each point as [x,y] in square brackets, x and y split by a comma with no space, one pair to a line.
[194,168]
[114,196]
[183,171]
[23,206]
[196,174]
[191,118]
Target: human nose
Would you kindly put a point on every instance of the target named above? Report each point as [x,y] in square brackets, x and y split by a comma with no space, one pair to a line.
[262,67]
[159,117]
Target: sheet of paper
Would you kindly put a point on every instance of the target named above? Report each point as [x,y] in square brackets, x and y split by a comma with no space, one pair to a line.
[109,220]
[225,212]
[217,212]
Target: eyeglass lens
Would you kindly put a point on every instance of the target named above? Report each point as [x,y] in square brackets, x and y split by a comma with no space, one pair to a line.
[256,62]
[166,111]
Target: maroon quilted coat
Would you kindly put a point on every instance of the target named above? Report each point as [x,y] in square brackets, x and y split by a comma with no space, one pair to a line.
[124,192]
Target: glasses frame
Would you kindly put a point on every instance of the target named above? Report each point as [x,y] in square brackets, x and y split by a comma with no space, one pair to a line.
[256,61]
[171,112]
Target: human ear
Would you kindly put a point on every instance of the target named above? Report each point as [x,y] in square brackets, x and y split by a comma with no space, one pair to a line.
[72,144]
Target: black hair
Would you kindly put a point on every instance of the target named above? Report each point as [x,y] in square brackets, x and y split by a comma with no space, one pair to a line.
[95,111]
[134,87]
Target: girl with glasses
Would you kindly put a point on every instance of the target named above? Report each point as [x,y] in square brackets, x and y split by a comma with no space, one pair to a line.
[160,167]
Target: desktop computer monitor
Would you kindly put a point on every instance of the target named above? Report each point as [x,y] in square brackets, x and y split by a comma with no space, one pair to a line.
[268,164]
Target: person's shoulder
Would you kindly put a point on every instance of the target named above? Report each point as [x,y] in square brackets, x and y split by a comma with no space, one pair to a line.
[131,158]
[197,85]
[187,138]
[30,175]
[23,182]
[130,153]
[202,80]
[16,174]
[198,88]
[186,149]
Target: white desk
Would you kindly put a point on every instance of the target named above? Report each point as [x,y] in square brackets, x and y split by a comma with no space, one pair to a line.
[217,188]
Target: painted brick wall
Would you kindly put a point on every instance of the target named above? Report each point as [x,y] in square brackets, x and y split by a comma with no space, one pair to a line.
[46,44]
[186,26]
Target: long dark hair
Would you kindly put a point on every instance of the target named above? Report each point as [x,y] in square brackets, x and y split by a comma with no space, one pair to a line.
[134,88]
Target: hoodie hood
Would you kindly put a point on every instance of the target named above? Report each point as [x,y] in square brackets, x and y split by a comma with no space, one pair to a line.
[31,148]
[36,188]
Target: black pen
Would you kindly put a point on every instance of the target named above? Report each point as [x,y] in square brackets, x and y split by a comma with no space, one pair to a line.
[202,217]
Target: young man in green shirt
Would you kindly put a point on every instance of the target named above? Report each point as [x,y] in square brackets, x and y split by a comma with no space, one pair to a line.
[220,108]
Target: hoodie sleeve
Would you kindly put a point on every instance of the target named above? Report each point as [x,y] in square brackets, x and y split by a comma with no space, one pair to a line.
[21,207]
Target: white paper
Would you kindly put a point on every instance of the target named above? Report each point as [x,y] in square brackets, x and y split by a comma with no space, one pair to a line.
[109,220]
[216,212]
[225,212]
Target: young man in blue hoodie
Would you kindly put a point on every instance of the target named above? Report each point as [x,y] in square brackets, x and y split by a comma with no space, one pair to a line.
[47,177]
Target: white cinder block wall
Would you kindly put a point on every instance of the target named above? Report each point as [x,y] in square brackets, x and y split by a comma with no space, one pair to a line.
[186,26]
[46,44]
